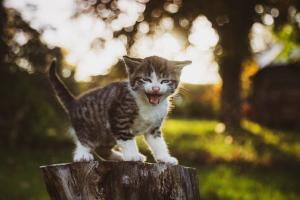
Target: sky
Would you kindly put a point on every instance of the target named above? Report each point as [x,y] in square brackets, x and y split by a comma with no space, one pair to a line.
[92,49]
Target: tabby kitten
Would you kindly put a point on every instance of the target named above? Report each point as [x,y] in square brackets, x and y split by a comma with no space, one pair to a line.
[106,120]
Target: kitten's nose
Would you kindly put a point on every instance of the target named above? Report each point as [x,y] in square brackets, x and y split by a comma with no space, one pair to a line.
[155,89]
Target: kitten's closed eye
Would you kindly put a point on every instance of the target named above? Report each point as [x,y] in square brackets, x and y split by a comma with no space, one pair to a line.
[165,81]
[147,80]
[143,80]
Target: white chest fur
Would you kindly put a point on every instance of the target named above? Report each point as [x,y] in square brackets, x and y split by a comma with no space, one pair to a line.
[149,116]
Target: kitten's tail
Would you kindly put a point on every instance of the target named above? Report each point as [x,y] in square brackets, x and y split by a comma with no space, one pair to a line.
[62,92]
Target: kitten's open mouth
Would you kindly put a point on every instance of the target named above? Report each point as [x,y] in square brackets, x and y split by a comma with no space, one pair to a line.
[153,98]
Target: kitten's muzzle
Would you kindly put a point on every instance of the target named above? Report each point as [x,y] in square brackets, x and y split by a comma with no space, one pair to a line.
[155,89]
[154,97]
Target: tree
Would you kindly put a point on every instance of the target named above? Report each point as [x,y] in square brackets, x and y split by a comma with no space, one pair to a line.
[233,20]
[28,110]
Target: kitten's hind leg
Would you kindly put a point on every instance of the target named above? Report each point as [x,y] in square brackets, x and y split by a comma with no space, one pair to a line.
[82,153]
[109,154]
[116,155]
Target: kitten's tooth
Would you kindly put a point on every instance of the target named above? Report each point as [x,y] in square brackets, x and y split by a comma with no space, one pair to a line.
[154,100]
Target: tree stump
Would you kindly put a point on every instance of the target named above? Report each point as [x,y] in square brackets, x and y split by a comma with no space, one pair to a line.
[110,180]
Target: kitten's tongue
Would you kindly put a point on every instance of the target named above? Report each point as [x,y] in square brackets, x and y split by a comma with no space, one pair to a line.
[153,99]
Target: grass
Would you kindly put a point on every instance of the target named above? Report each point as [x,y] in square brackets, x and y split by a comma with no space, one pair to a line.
[264,164]
[258,145]
[21,177]
[247,183]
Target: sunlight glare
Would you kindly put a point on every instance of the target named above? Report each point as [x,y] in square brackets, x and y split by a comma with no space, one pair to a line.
[163,44]
[93,59]
[202,34]
[91,47]
[167,23]
[203,70]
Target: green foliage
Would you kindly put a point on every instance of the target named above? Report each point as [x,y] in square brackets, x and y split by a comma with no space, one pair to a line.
[261,164]
[197,101]
[257,145]
[20,176]
[225,171]
[29,110]
[247,183]
[288,36]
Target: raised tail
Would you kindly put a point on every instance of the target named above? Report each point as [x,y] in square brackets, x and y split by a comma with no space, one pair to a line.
[62,92]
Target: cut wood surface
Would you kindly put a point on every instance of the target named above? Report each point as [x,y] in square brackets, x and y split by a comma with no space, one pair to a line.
[120,181]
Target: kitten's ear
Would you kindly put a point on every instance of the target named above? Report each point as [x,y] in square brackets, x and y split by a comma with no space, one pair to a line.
[131,63]
[181,64]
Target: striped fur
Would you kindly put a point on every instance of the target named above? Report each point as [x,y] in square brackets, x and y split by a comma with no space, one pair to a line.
[116,113]
[63,94]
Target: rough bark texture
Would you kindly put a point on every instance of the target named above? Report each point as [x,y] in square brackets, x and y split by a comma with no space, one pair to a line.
[120,181]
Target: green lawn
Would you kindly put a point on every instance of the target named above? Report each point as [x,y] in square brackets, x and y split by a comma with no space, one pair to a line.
[262,164]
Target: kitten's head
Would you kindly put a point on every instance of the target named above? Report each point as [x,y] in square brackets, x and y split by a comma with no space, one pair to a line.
[153,78]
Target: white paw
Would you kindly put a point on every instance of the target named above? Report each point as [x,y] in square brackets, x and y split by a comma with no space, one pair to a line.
[83,156]
[135,157]
[116,155]
[167,159]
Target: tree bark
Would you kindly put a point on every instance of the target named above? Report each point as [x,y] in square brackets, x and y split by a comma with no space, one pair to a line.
[233,20]
[120,181]
[230,70]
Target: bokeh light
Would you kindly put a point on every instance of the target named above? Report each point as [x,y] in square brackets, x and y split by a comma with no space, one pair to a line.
[91,47]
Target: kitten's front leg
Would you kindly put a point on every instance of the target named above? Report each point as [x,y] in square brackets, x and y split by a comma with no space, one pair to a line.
[82,153]
[130,150]
[159,147]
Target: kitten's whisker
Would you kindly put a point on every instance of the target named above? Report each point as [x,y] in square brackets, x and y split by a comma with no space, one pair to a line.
[117,112]
[183,90]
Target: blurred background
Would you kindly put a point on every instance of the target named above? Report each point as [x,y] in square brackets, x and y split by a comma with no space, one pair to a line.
[237,118]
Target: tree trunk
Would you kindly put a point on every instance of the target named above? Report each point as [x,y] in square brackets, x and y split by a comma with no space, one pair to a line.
[120,181]
[230,71]
[233,20]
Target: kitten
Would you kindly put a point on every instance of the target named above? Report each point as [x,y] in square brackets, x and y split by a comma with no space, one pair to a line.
[110,117]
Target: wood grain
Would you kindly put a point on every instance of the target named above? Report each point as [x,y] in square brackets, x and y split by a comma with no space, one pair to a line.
[120,181]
